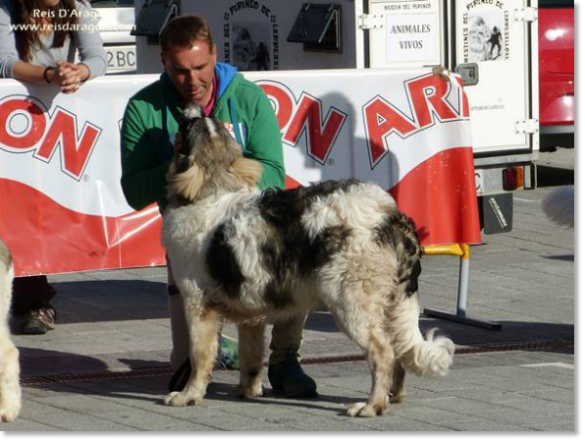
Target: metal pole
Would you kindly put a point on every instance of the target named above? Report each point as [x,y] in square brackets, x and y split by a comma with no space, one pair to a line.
[461,250]
[463,281]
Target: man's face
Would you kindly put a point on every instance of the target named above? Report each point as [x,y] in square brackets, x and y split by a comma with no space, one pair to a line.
[191,71]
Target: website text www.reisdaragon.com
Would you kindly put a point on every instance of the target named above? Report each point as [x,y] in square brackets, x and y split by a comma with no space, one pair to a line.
[45,22]
[69,27]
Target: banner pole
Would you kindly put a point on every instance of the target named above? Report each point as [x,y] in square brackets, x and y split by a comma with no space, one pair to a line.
[463,251]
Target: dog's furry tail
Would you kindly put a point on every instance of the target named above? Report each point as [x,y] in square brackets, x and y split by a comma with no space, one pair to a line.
[559,206]
[429,356]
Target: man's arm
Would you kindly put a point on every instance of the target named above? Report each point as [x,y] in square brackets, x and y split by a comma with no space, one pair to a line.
[143,173]
[264,142]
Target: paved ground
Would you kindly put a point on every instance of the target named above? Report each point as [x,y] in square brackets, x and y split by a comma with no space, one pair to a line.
[105,366]
[561,158]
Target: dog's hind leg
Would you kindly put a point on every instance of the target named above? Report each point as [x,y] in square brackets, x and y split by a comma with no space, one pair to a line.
[203,329]
[398,391]
[381,360]
[359,310]
[251,348]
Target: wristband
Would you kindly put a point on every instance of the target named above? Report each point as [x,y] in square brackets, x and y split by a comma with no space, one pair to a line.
[46,71]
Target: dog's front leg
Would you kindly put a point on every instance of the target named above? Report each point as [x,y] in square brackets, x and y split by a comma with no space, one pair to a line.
[251,348]
[203,329]
[10,393]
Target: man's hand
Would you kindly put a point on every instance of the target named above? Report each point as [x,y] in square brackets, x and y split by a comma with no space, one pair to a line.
[442,72]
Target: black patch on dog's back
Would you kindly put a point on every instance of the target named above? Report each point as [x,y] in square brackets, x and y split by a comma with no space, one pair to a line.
[319,251]
[289,251]
[398,232]
[221,263]
[285,207]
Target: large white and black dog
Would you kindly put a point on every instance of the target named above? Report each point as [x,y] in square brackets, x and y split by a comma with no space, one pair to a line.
[252,257]
[10,393]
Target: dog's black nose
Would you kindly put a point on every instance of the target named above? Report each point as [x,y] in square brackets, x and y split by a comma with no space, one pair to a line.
[193,111]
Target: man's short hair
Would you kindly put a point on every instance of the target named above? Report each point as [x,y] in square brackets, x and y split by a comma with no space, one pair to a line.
[184,31]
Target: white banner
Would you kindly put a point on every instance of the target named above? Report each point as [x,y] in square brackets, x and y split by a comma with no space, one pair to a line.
[60,166]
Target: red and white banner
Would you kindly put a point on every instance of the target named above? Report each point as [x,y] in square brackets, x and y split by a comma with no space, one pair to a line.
[62,208]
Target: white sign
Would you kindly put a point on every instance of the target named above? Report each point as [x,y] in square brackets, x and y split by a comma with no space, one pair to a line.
[412,38]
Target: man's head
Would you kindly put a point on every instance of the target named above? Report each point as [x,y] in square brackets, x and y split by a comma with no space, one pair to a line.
[188,56]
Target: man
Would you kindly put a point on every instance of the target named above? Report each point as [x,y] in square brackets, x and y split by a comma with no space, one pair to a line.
[192,74]
[495,41]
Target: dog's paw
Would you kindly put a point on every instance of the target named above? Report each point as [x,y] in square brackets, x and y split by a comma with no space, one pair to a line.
[182,399]
[361,409]
[397,398]
[9,413]
[247,392]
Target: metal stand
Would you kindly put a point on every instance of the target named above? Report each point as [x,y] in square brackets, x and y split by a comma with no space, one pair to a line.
[461,250]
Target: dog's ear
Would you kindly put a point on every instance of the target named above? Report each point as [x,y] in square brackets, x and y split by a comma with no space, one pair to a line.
[186,183]
[247,171]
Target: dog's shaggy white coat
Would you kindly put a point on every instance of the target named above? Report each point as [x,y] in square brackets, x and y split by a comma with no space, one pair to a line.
[10,393]
[253,257]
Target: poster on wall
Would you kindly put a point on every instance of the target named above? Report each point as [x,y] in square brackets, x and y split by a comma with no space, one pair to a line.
[485,31]
[250,43]
[251,36]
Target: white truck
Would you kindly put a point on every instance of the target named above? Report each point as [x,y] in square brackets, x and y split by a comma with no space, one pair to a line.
[492,44]
[115,26]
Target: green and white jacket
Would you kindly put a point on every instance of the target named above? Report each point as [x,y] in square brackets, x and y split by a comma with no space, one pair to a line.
[151,123]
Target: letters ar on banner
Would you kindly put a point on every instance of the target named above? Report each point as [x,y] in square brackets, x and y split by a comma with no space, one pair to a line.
[63,209]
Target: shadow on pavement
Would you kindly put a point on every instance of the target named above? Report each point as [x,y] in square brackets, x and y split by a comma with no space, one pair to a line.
[512,331]
[562,257]
[36,362]
[109,300]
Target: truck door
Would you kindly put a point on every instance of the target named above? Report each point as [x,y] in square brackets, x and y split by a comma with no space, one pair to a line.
[491,43]
[495,49]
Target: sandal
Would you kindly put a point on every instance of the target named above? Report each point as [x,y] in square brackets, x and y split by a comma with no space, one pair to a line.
[39,321]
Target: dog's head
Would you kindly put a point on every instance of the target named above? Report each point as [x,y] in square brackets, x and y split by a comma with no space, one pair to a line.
[209,160]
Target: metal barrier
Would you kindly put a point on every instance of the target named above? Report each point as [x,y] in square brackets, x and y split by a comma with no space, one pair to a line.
[461,250]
